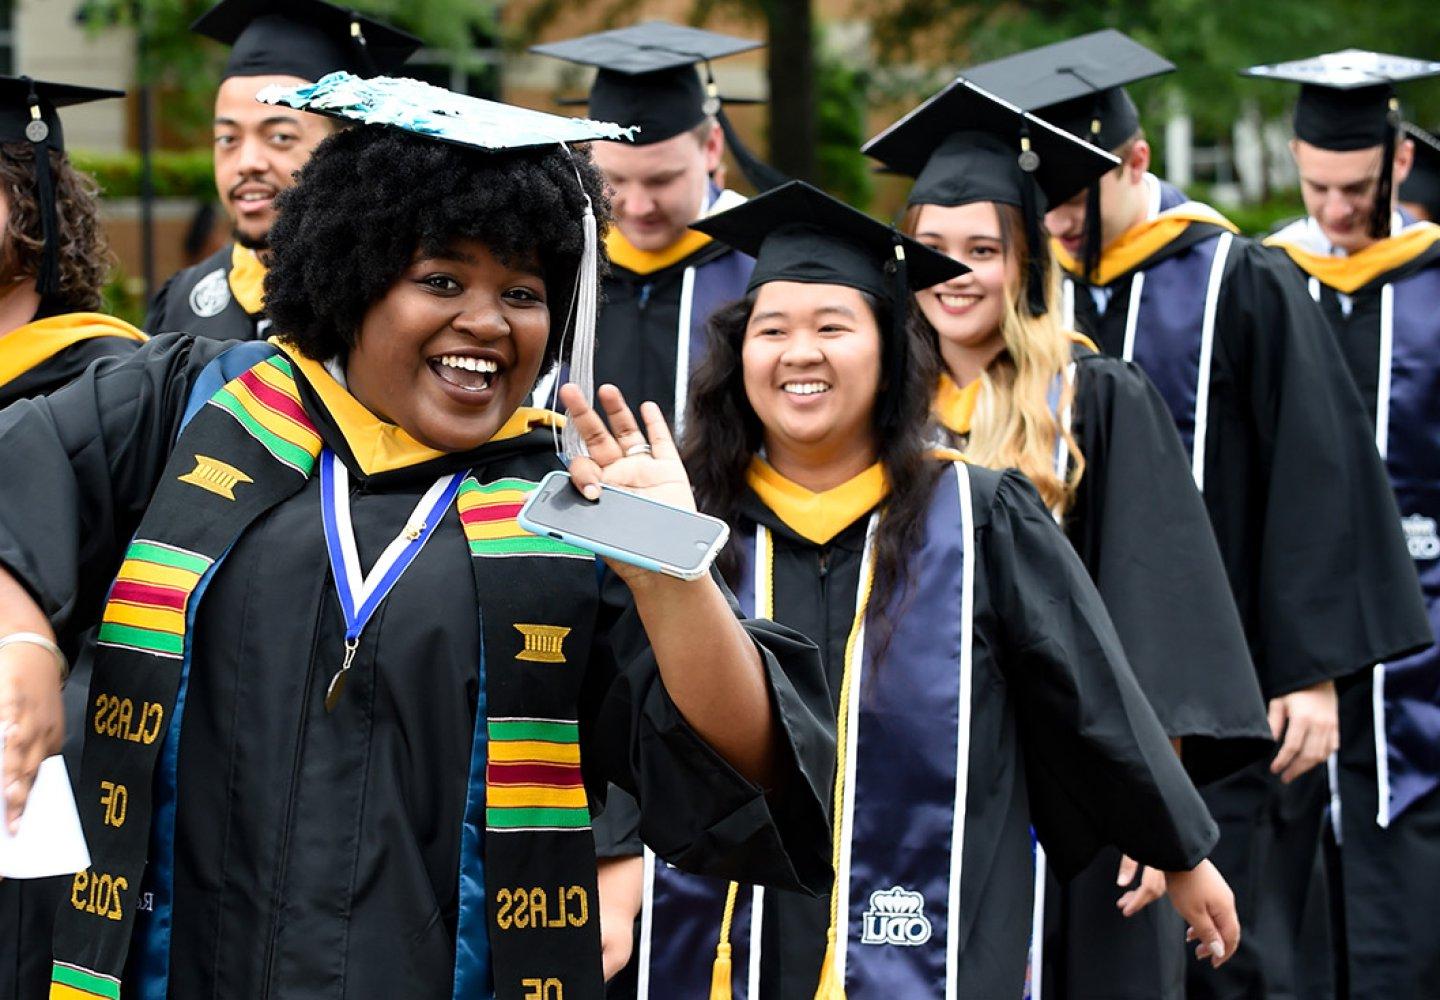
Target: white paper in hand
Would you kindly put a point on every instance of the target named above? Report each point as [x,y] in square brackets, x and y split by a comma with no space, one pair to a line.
[50,841]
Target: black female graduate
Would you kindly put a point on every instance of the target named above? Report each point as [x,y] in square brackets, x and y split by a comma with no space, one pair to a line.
[1095,438]
[980,685]
[326,758]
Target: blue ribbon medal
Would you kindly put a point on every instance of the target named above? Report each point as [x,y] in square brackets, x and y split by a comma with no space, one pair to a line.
[361,595]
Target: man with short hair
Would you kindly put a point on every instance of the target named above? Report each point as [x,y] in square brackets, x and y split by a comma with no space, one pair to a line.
[665,279]
[260,147]
[1375,271]
[1298,499]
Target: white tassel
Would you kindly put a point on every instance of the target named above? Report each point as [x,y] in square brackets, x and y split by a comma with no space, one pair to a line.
[582,345]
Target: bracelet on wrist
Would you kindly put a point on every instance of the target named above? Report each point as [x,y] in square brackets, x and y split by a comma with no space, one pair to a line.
[36,639]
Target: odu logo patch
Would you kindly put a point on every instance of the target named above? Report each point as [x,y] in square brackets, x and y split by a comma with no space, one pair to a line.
[211,294]
[1421,536]
[896,916]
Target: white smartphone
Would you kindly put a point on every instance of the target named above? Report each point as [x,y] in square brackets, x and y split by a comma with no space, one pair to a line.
[626,527]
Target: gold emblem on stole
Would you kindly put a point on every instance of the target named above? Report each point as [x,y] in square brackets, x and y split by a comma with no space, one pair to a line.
[216,476]
[543,643]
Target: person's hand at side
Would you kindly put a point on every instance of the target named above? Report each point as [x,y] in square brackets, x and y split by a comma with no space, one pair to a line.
[1152,886]
[32,715]
[1309,722]
[1204,900]
[621,888]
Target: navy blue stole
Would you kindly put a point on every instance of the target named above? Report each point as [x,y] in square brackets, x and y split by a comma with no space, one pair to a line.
[904,763]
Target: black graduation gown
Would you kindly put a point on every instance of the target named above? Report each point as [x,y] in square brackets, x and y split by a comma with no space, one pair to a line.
[1045,658]
[61,369]
[1385,876]
[198,300]
[315,855]
[1306,527]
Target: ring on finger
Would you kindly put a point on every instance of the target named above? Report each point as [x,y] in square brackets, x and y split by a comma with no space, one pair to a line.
[637,449]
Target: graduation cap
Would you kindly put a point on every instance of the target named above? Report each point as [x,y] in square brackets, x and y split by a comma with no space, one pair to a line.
[1423,184]
[302,38]
[1078,85]
[646,77]
[489,126]
[1347,102]
[28,113]
[965,145]
[797,232]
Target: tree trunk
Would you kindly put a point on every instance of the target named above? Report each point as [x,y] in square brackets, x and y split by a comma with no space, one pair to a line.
[791,69]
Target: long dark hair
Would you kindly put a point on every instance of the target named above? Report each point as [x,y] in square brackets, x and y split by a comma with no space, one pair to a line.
[722,434]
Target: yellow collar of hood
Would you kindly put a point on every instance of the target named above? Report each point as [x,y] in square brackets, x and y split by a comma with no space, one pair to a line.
[35,343]
[954,407]
[383,447]
[1349,274]
[1142,241]
[247,279]
[817,517]
[625,254]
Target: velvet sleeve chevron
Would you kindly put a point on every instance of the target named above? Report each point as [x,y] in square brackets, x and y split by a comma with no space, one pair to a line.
[81,466]
[695,810]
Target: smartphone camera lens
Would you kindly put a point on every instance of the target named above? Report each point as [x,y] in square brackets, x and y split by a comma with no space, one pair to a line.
[702,545]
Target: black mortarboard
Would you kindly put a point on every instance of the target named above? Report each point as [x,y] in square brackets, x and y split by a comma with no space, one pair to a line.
[965,145]
[646,77]
[28,114]
[797,232]
[1077,84]
[1423,184]
[303,38]
[1347,102]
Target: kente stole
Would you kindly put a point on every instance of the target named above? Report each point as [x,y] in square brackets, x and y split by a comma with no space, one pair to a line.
[527,917]
[904,763]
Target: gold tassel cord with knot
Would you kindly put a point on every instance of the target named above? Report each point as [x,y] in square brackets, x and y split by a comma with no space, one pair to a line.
[720,972]
[832,982]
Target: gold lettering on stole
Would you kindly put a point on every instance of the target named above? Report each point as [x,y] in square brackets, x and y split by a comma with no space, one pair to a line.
[215,476]
[543,643]
[98,893]
[117,718]
[114,799]
[522,909]
[543,989]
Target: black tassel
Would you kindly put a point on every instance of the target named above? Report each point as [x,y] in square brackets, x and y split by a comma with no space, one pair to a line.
[1090,259]
[760,174]
[47,281]
[362,47]
[1385,187]
[897,362]
[1029,162]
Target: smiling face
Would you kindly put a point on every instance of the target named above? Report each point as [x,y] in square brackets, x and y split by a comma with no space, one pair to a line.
[1339,188]
[811,358]
[657,190]
[967,312]
[258,149]
[454,346]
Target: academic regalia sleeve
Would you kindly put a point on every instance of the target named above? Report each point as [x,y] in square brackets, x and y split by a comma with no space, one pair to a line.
[1336,589]
[617,827]
[1141,528]
[695,810]
[85,462]
[1099,767]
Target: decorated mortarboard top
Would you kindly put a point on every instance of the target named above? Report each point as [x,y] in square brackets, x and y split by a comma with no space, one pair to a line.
[436,113]
[965,144]
[1423,184]
[646,74]
[29,113]
[303,38]
[799,233]
[1347,99]
[1077,84]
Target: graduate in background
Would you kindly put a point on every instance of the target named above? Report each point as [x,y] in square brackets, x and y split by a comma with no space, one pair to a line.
[1420,192]
[55,260]
[356,729]
[1278,445]
[665,279]
[55,256]
[259,148]
[1018,390]
[1376,273]
[980,685]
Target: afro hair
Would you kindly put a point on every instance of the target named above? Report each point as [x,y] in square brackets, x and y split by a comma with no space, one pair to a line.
[370,198]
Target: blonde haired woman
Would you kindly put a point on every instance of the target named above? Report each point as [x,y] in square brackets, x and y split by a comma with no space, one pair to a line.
[1095,438]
